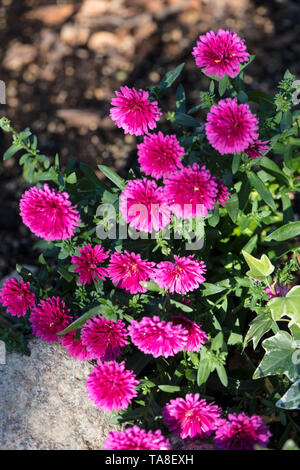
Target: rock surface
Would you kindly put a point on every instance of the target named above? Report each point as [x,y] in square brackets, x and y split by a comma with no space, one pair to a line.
[43,403]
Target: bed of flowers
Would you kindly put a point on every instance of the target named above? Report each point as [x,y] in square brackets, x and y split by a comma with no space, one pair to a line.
[178,284]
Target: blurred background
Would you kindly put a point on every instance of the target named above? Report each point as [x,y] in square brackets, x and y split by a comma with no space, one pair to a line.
[62,60]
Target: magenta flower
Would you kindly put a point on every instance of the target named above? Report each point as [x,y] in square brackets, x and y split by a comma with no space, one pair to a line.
[241,432]
[88,262]
[223,194]
[159,154]
[74,347]
[143,205]
[231,127]
[111,387]
[220,54]
[196,337]
[184,275]
[192,191]
[257,148]
[104,338]
[279,290]
[133,111]
[127,270]
[16,296]
[191,417]
[156,337]
[136,438]
[49,318]
[49,214]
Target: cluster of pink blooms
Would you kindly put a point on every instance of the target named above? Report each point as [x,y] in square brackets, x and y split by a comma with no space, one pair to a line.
[136,438]
[17,297]
[50,317]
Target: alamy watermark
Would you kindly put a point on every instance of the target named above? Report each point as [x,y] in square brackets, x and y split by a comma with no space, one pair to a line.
[296,353]
[295,95]
[2,92]
[2,352]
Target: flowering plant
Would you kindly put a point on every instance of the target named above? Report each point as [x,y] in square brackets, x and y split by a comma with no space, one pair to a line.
[146,277]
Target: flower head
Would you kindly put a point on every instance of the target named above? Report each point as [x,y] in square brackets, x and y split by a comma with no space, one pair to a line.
[16,296]
[191,417]
[277,290]
[223,194]
[75,348]
[257,148]
[220,54]
[104,338]
[231,127]
[157,337]
[136,438]
[241,432]
[133,111]
[49,318]
[160,154]
[88,262]
[184,275]
[196,336]
[49,214]
[111,387]
[143,205]
[127,270]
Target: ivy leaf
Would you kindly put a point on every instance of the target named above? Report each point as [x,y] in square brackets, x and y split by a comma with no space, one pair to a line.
[288,305]
[259,268]
[258,327]
[291,399]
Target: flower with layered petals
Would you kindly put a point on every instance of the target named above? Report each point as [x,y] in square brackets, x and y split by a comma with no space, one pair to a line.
[143,205]
[104,338]
[196,337]
[88,262]
[241,432]
[220,54]
[133,111]
[157,337]
[257,148]
[191,417]
[159,154]
[16,296]
[136,438]
[111,387]
[231,127]
[49,214]
[49,318]
[75,348]
[184,275]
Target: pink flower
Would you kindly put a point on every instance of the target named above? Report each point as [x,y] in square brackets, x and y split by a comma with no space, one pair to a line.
[111,387]
[156,337]
[160,154]
[220,53]
[191,192]
[133,112]
[223,193]
[136,439]
[49,318]
[104,338]
[16,296]
[74,347]
[279,290]
[143,205]
[88,261]
[191,417]
[185,275]
[127,270]
[257,148]
[241,432]
[231,127]
[196,336]
[49,214]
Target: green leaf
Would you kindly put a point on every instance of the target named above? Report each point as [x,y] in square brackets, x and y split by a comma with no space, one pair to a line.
[204,368]
[236,161]
[91,176]
[151,286]
[79,322]
[232,207]
[170,77]
[258,328]
[262,190]
[169,388]
[211,289]
[183,307]
[112,176]
[180,99]
[64,273]
[285,232]
[291,399]
[290,445]
[273,169]
[10,152]
[288,306]
[185,120]
[286,121]
[221,371]
[251,244]
[259,268]
[223,84]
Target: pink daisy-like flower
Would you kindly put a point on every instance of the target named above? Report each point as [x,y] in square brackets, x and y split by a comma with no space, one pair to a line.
[104,338]
[242,432]
[191,417]
[136,438]
[88,261]
[257,148]
[127,270]
[49,214]
[223,193]
[231,127]
[184,275]
[133,111]
[220,54]
[16,296]
[49,318]
[191,192]
[279,290]
[143,205]
[157,337]
[75,348]
[160,154]
[111,387]
[196,336]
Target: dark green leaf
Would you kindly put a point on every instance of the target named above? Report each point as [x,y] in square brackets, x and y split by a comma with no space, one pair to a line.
[262,190]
